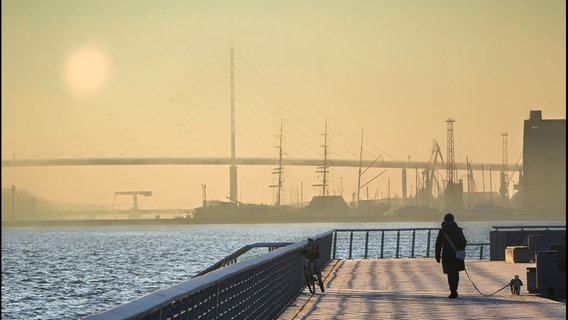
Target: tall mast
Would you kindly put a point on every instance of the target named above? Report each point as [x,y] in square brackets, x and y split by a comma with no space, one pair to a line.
[360,165]
[233,169]
[325,160]
[279,170]
[504,188]
[483,181]
[323,169]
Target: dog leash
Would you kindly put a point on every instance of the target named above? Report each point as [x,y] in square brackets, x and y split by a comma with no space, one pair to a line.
[483,294]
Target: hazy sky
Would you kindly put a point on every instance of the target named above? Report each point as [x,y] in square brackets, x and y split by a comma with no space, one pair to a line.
[150,78]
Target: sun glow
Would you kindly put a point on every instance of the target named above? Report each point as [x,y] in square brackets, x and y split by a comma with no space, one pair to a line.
[86,71]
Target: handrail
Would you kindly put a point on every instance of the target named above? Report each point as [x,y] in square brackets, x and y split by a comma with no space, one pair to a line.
[232,258]
[379,248]
[220,293]
[388,229]
[528,227]
[259,288]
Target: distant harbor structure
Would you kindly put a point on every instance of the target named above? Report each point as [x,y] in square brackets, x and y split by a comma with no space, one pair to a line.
[543,182]
[541,186]
[541,190]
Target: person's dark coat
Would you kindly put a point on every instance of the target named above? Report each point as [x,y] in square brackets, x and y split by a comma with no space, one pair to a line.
[444,250]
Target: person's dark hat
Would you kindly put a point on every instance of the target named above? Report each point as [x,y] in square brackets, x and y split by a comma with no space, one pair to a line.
[449,217]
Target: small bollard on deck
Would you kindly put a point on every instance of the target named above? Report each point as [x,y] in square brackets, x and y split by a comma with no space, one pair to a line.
[531,280]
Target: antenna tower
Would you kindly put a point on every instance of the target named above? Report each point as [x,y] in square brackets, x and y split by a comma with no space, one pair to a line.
[451,169]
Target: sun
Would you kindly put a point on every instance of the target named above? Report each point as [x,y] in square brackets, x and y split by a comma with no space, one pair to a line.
[86,71]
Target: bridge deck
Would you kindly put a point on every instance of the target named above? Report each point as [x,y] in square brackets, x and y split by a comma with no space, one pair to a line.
[417,289]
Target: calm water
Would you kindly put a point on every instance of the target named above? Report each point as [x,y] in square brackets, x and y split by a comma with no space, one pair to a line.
[71,272]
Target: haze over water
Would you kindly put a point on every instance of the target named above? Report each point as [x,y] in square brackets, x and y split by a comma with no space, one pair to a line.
[151,79]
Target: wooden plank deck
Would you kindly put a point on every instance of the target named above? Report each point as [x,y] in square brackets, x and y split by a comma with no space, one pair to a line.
[416,288]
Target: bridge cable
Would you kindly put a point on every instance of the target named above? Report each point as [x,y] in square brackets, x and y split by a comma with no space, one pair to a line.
[157,104]
[300,141]
[271,102]
[177,137]
[312,107]
[135,105]
[308,116]
[175,116]
[113,136]
[169,128]
[351,143]
[204,134]
[207,143]
[301,119]
[133,126]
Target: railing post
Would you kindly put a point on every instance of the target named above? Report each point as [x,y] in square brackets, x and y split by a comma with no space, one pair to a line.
[366,243]
[481,252]
[350,244]
[428,244]
[382,243]
[413,239]
[397,242]
[334,243]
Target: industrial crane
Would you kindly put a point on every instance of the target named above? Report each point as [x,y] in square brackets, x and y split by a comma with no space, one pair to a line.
[428,175]
[470,182]
[134,195]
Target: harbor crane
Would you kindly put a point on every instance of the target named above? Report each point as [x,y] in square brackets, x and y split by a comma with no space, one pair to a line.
[471,189]
[134,195]
[429,176]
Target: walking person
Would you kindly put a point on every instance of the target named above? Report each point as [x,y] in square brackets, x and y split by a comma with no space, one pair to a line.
[450,264]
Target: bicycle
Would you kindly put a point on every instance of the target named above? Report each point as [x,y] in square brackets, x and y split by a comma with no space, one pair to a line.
[312,277]
[311,273]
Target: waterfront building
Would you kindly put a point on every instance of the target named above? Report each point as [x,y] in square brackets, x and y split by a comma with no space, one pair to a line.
[543,183]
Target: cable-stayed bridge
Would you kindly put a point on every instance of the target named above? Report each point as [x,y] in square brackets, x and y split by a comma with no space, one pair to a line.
[246,161]
[200,117]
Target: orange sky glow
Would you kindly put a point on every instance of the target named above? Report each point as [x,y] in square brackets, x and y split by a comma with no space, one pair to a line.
[136,79]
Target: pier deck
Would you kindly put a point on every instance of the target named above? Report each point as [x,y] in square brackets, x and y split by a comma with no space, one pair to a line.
[416,288]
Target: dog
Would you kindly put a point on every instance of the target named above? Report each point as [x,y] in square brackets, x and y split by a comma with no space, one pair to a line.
[515,285]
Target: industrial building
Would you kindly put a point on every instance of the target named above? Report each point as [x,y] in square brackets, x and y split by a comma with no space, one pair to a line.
[543,184]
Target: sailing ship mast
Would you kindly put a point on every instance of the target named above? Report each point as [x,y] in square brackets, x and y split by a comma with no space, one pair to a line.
[360,165]
[279,170]
[323,169]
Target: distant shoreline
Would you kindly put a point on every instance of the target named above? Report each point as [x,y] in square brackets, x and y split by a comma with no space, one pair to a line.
[460,217]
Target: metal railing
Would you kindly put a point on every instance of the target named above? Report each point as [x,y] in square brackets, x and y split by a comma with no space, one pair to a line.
[233,257]
[537,237]
[391,243]
[258,288]
[264,286]
[547,227]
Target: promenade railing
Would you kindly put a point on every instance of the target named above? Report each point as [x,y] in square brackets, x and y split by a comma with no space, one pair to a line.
[233,257]
[263,287]
[393,243]
[259,288]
